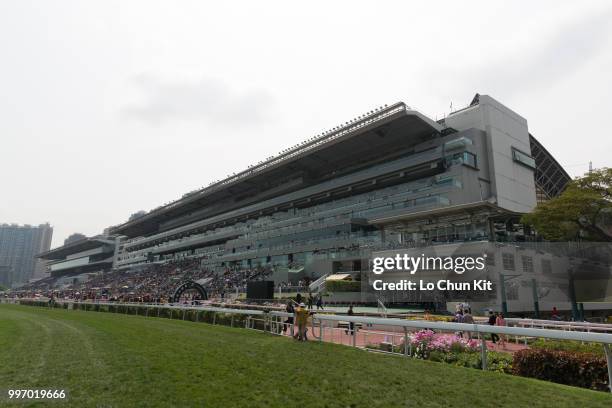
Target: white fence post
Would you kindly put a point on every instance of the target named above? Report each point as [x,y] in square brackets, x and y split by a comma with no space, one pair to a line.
[592,334]
[320,331]
[483,345]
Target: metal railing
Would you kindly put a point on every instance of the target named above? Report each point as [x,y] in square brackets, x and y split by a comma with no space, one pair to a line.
[477,330]
[316,285]
[562,325]
[273,321]
[382,309]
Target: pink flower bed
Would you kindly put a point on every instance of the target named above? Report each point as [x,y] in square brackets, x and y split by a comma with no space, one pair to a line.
[425,341]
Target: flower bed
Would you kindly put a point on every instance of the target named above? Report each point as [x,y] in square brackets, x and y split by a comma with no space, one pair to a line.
[425,341]
[456,350]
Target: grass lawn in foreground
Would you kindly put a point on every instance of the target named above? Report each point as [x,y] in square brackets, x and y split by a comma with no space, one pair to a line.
[111,360]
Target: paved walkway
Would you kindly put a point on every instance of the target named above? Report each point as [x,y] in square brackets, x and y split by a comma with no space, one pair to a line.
[371,337]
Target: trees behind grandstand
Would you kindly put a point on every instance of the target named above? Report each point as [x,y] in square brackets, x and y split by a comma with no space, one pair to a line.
[582,212]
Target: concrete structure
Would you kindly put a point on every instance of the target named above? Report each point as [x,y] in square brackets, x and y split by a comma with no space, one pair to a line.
[77,236]
[95,254]
[19,246]
[392,178]
[534,277]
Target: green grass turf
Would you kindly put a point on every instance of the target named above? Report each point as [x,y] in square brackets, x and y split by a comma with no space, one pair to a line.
[109,360]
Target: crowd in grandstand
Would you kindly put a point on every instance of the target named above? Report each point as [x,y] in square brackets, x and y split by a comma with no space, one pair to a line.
[147,283]
[232,279]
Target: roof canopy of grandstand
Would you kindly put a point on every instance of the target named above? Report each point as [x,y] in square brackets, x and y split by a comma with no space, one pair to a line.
[75,247]
[390,177]
[338,277]
[329,155]
[93,254]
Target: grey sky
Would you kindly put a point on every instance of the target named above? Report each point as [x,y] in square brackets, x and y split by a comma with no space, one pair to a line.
[109,107]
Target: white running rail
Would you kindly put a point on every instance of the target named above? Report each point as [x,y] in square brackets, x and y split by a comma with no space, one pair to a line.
[318,319]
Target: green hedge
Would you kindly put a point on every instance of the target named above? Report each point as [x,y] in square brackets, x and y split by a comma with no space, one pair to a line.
[584,370]
[203,316]
[343,286]
[559,345]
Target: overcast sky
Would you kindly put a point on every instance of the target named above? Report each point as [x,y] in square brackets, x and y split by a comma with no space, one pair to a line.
[110,107]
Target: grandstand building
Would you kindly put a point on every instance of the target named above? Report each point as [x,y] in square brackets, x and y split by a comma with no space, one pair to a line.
[85,255]
[392,177]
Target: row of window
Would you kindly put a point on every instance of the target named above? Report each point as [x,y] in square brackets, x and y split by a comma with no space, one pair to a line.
[523,158]
[466,158]
[508,263]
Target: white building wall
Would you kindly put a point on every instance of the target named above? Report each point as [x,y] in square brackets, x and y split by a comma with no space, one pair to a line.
[513,184]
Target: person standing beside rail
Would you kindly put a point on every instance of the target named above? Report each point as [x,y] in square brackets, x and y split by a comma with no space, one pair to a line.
[467,318]
[301,319]
[492,320]
[351,324]
[291,310]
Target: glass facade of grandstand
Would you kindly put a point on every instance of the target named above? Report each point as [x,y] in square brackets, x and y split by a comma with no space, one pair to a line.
[390,180]
[394,178]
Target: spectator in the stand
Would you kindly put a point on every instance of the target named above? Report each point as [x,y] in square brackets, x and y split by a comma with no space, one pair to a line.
[147,282]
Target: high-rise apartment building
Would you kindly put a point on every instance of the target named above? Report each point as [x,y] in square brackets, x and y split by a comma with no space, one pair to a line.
[19,245]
